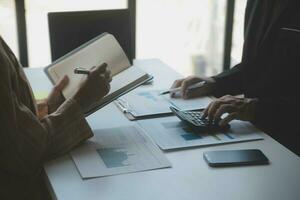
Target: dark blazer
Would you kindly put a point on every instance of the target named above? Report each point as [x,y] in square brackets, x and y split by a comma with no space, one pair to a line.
[269,71]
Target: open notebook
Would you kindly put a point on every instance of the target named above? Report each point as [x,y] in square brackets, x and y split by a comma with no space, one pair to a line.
[104,48]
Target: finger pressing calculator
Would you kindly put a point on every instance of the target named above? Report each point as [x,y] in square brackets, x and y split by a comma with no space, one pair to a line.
[194,120]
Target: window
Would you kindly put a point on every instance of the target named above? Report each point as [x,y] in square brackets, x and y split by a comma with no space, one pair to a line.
[8,25]
[238,32]
[37,23]
[186,34]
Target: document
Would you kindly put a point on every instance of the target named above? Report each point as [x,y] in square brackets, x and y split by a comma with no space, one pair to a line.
[117,151]
[102,49]
[149,102]
[171,133]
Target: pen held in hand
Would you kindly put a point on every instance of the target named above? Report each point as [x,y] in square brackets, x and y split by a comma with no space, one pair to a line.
[80,70]
[195,86]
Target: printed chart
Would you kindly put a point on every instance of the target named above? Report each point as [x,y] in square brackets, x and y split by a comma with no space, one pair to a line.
[150,102]
[171,133]
[115,157]
[117,151]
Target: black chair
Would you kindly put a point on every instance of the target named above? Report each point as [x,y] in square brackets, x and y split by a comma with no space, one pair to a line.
[68,30]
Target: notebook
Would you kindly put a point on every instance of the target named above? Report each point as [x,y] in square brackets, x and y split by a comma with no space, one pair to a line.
[102,49]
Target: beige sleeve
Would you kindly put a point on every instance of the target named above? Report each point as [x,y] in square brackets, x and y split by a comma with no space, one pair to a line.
[66,127]
[26,141]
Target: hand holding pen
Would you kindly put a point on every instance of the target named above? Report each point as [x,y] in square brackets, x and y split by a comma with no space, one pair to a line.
[193,86]
[81,70]
[178,89]
[94,88]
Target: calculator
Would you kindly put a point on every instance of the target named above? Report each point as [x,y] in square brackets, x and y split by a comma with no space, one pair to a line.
[194,120]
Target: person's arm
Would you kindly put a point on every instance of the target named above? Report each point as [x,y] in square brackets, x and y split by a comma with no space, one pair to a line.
[27,141]
[54,100]
[277,114]
[229,82]
[42,108]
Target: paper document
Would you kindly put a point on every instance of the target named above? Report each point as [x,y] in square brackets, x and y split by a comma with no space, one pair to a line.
[148,102]
[171,133]
[117,151]
[102,49]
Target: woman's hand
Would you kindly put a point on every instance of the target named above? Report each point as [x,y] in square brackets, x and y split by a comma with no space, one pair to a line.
[94,88]
[55,98]
[206,89]
[237,108]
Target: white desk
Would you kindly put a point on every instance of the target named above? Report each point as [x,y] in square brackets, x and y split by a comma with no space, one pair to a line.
[190,178]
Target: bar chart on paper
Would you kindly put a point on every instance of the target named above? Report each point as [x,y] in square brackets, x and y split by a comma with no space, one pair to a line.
[171,133]
[115,157]
[151,96]
[117,151]
[149,102]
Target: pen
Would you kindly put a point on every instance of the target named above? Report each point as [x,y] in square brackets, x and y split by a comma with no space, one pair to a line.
[121,105]
[197,85]
[80,70]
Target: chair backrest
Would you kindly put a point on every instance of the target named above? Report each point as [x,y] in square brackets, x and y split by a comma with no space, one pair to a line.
[68,30]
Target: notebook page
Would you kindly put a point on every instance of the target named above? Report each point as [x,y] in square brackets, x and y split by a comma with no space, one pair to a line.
[127,76]
[105,49]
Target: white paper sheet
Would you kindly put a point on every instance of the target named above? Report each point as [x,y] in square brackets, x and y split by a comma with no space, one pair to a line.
[148,102]
[171,133]
[117,151]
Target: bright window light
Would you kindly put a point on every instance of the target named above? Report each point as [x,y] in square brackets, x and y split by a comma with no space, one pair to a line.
[8,26]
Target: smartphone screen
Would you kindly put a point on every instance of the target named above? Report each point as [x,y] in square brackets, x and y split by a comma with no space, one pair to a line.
[235,157]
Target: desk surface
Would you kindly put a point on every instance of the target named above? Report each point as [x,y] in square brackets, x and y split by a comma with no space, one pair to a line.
[190,177]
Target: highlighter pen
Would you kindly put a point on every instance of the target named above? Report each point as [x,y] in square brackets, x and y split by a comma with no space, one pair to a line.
[80,70]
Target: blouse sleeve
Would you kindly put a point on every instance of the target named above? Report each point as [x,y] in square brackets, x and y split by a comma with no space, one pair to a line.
[26,141]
